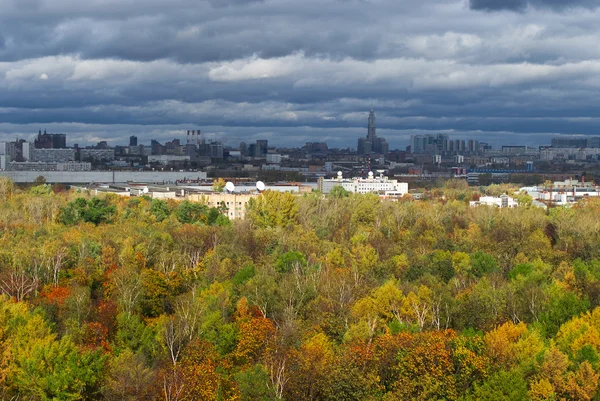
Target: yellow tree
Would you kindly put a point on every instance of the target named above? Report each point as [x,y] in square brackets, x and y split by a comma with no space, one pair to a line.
[218,185]
[311,369]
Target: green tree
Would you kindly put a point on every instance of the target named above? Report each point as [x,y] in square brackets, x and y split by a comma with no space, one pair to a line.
[95,211]
[159,209]
[483,264]
[58,370]
[254,383]
[503,386]
[190,212]
[339,192]
[133,334]
[288,260]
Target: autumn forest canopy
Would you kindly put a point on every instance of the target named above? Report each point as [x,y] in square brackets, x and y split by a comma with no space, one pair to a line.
[311,297]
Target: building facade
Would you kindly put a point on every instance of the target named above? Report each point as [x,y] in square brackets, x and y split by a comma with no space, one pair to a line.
[167,159]
[50,141]
[372,184]
[52,155]
[575,142]
[503,201]
[234,204]
[97,155]
[48,166]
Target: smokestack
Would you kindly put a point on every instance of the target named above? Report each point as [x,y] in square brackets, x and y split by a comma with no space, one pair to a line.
[188,136]
[198,137]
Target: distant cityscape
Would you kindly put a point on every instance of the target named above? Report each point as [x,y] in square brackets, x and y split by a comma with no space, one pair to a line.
[428,156]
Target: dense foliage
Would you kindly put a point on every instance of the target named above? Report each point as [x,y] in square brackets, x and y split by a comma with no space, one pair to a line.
[340,297]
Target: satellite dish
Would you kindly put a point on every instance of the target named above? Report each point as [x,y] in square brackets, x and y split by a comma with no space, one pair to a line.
[145,190]
[339,174]
[370,174]
[260,186]
[381,171]
[229,186]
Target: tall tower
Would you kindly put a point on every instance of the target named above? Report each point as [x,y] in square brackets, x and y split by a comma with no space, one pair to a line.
[371,135]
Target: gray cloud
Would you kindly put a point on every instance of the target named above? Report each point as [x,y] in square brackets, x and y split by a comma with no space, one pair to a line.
[521,5]
[295,71]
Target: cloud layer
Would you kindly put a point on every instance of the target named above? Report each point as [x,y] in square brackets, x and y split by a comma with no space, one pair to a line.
[297,71]
[521,5]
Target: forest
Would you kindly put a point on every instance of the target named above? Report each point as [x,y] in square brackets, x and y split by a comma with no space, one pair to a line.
[311,297]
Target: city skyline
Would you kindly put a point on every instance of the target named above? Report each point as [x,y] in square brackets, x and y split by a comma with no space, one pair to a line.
[145,138]
[500,72]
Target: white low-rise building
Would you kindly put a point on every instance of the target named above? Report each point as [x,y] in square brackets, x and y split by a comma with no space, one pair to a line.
[166,159]
[503,201]
[372,184]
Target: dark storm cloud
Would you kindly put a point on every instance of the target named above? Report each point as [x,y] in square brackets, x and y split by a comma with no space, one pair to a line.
[194,30]
[520,5]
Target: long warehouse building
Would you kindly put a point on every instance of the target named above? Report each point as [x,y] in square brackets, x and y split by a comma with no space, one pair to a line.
[84,177]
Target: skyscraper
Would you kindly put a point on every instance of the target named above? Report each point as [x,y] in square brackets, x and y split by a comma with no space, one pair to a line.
[371,126]
[372,144]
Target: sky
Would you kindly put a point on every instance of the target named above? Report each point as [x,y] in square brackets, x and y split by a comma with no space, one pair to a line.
[501,71]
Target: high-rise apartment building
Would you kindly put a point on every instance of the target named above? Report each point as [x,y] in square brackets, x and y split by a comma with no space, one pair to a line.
[441,144]
[433,144]
[575,142]
[258,149]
